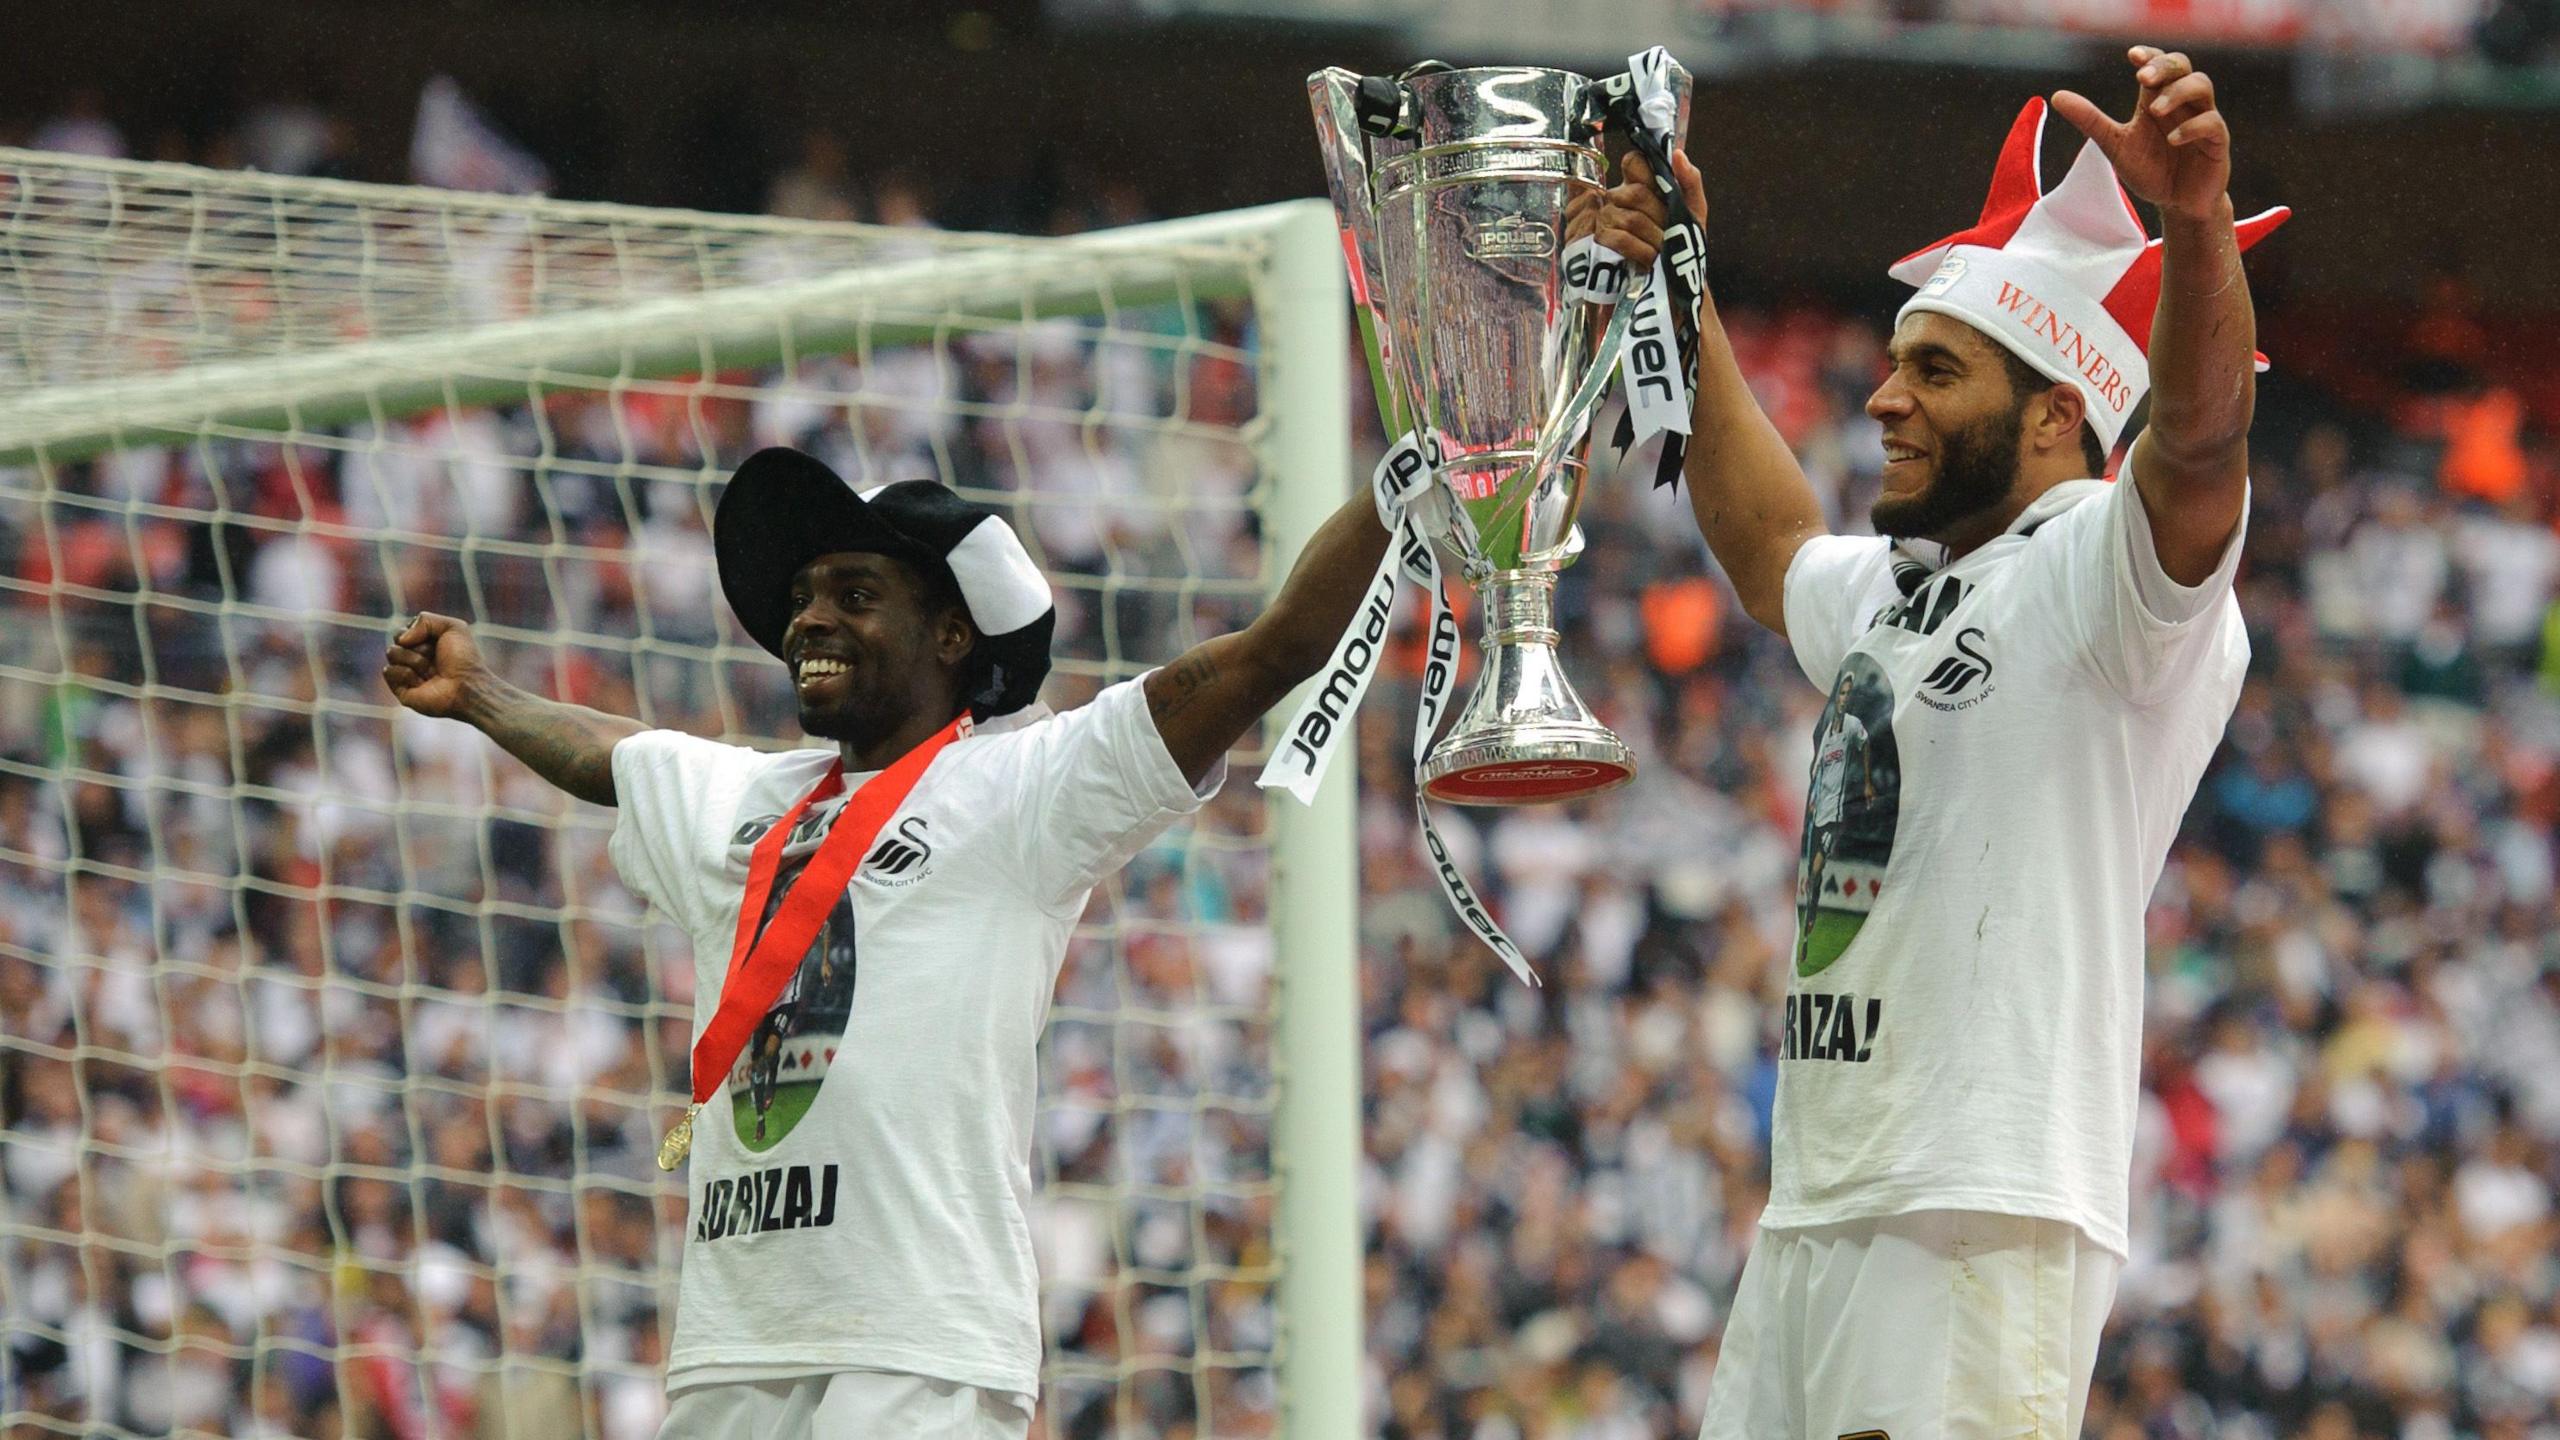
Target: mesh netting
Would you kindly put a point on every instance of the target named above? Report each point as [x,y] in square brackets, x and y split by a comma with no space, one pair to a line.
[333,1055]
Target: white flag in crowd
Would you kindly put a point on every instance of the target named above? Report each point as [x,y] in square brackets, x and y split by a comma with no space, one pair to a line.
[457,148]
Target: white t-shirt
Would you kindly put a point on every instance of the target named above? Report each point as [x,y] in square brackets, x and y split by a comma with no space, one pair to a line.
[1964,1025]
[878,1221]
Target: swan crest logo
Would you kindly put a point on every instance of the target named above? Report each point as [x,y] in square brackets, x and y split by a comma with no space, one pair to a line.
[1964,678]
[902,858]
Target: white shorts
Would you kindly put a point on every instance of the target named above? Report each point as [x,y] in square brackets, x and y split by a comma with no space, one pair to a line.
[846,1405]
[1940,1325]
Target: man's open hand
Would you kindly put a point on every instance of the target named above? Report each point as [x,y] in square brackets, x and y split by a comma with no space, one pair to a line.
[2176,150]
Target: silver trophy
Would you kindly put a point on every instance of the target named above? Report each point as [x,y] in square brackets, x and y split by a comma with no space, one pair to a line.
[1456,193]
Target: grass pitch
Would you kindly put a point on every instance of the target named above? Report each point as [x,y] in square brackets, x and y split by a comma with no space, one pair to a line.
[1832,932]
[790,1102]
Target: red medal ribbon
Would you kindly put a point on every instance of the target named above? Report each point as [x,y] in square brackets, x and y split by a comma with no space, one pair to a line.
[758,966]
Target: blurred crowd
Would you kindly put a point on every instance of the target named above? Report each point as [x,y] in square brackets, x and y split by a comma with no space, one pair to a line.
[332,1053]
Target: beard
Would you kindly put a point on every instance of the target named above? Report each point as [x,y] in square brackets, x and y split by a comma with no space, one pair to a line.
[858,719]
[1977,468]
[832,724]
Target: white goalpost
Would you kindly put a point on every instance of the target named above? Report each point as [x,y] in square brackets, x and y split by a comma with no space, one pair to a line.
[332,1054]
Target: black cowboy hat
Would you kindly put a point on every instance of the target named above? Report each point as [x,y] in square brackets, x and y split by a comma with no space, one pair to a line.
[784,509]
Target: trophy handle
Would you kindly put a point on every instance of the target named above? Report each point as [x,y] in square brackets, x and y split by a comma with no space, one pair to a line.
[1335,94]
[1682,85]
[1563,429]
[1677,78]
[1566,425]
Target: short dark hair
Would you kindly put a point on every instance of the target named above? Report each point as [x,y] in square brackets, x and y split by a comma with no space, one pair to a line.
[2025,380]
[938,590]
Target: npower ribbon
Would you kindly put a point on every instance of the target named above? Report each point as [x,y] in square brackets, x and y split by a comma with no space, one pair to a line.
[1658,362]
[1658,358]
[1414,510]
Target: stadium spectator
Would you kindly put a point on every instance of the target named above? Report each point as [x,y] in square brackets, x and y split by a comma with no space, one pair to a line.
[82,127]
[819,186]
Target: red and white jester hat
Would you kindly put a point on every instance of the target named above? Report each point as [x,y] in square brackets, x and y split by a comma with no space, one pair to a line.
[2066,279]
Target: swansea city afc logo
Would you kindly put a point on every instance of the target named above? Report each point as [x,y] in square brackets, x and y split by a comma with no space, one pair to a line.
[901,858]
[1964,678]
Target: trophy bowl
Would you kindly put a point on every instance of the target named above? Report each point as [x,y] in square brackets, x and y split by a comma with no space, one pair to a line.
[1457,192]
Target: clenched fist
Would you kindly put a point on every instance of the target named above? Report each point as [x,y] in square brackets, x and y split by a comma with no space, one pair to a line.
[1628,217]
[434,666]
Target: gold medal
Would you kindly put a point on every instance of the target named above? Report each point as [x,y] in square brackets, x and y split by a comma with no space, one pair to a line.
[679,1139]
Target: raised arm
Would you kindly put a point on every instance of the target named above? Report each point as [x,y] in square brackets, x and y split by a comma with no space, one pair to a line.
[2191,463]
[1751,498]
[1205,701]
[434,667]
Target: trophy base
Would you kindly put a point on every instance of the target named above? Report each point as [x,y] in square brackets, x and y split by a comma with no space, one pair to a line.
[1498,773]
[1525,736]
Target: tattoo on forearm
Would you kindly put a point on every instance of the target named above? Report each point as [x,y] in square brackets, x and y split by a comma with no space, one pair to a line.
[563,752]
[564,744]
[1188,680]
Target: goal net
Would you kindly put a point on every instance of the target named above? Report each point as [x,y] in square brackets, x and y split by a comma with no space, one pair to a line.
[333,1056]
